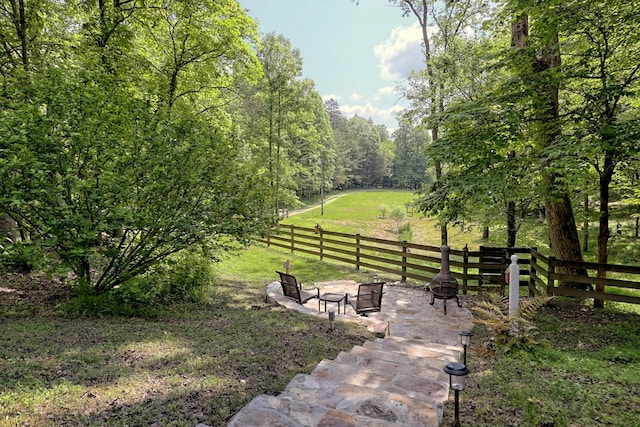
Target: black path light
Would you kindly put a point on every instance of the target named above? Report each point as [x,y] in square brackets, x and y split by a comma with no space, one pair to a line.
[332,317]
[457,372]
[465,340]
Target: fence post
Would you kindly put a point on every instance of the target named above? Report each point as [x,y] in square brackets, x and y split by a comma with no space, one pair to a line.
[358,251]
[550,273]
[514,285]
[291,238]
[404,261]
[465,268]
[532,271]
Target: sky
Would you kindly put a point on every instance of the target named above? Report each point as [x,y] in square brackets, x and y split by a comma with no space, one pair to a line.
[357,54]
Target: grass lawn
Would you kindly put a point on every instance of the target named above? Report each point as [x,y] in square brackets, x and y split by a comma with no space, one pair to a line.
[203,362]
[585,373]
[196,363]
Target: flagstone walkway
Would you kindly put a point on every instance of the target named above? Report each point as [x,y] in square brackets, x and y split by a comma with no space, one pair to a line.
[395,380]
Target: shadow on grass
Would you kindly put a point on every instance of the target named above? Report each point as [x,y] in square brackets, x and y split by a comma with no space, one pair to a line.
[586,374]
[197,363]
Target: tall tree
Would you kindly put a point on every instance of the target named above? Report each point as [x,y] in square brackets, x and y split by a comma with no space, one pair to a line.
[344,160]
[410,162]
[115,159]
[443,22]
[602,70]
[541,53]
[282,65]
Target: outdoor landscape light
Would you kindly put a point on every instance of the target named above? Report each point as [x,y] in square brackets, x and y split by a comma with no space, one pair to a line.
[332,317]
[465,340]
[457,372]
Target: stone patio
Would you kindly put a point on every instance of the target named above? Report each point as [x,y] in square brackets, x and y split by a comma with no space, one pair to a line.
[395,380]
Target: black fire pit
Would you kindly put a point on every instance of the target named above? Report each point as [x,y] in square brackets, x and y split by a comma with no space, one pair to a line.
[444,286]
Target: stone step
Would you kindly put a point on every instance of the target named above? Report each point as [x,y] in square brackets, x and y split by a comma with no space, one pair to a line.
[383,361]
[417,382]
[370,411]
[410,404]
[415,348]
[428,385]
[395,381]
[411,356]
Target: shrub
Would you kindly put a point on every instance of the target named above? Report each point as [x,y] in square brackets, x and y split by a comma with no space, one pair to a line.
[397,214]
[405,233]
[510,331]
[383,211]
[20,257]
[183,277]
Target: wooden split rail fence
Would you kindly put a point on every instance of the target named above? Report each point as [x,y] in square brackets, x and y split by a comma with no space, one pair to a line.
[476,271]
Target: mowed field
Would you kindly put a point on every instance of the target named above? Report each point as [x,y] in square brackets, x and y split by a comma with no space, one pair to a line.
[368,213]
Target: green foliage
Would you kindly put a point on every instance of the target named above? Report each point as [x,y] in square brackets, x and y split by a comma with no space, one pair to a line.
[183,277]
[398,215]
[383,211]
[20,257]
[405,233]
[126,303]
[114,154]
[410,162]
[510,331]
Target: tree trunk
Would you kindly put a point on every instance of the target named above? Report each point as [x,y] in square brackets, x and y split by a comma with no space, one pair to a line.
[603,231]
[563,232]
[512,229]
[485,232]
[585,230]
[20,24]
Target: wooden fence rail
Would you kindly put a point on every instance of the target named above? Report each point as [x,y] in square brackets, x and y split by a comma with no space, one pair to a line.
[476,271]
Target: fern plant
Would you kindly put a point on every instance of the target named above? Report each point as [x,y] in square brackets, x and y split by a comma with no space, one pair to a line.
[510,331]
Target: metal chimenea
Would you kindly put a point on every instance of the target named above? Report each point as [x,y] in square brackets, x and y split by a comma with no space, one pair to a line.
[444,286]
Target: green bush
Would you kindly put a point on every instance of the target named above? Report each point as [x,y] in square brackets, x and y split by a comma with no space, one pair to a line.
[20,257]
[405,233]
[397,214]
[86,303]
[184,277]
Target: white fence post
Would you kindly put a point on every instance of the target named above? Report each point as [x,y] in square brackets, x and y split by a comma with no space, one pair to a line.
[514,286]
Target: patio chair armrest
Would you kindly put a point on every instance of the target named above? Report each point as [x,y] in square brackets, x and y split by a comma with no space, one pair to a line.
[311,288]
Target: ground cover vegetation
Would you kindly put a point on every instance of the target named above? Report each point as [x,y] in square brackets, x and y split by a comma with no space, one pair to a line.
[584,372]
[190,363]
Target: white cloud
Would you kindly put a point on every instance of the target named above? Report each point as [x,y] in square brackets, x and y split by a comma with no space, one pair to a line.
[355,97]
[368,110]
[401,52]
[387,90]
[325,98]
